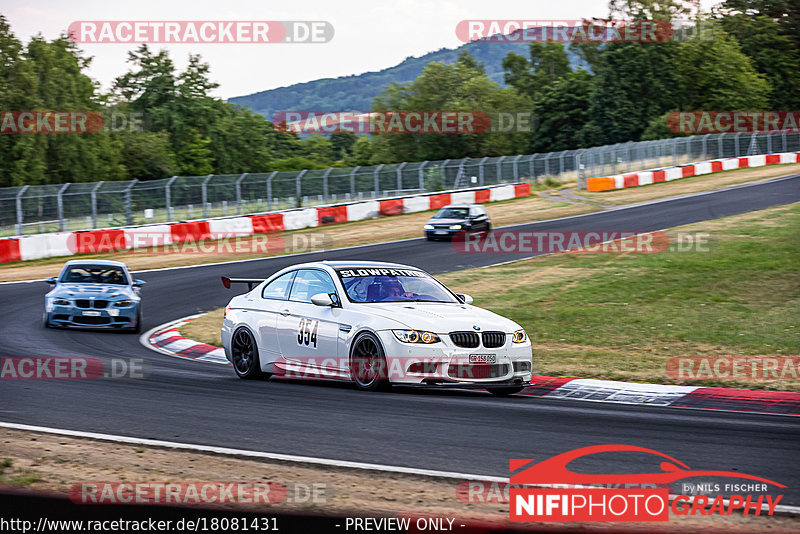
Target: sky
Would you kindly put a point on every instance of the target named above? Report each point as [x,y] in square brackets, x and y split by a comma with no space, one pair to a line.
[369,34]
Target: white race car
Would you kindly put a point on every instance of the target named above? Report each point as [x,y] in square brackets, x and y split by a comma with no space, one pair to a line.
[376,324]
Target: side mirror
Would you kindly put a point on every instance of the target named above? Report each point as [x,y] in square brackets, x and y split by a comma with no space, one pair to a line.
[50,280]
[138,283]
[322,299]
[466,299]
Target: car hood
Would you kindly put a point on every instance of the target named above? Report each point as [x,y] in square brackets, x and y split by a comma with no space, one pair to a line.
[440,317]
[106,291]
[447,221]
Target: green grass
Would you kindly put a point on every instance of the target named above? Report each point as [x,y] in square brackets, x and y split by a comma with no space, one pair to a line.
[622,316]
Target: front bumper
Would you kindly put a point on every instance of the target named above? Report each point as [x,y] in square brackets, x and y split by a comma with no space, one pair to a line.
[110,317]
[443,364]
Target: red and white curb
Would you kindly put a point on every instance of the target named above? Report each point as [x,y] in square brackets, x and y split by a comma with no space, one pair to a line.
[166,339]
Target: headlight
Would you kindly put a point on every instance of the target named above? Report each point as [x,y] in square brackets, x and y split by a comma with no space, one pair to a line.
[415,336]
[455,227]
[61,302]
[123,303]
[519,336]
[428,227]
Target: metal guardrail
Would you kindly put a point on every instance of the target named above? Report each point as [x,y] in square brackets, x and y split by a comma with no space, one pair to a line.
[89,205]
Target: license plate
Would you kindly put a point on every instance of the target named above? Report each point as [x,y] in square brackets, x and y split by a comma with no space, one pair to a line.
[440,232]
[92,313]
[482,358]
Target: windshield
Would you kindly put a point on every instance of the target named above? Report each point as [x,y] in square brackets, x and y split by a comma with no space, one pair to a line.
[387,285]
[452,213]
[95,274]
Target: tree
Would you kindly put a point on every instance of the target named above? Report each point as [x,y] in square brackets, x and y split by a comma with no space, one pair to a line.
[462,86]
[561,110]
[773,53]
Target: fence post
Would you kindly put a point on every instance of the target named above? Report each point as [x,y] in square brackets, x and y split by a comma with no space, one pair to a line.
[481,164]
[783,136]
[325,185]
[422,176]
[204,194]
[400,176]
[19,208]
[720,146]
[376,176]
[239,193]
[460,173]
[443,174]
[60,207]
[353,181]
[580,169]
[500,168]
[168,198]
[516,168]
[269,189]
[94,203]
[299,189]
[129,202]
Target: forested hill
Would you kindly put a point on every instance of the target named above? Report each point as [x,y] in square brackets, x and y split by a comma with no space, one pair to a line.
[357,92]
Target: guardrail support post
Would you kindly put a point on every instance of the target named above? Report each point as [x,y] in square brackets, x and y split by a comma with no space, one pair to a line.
[377,178]
[204,194]
[325,185]
[500,168]
[299,188]
[168,197]
[94,203]
[400,176]
[353,181]
[60,207]
[239,193]
[129,203]
[269,190]
[516,168]
[18,202]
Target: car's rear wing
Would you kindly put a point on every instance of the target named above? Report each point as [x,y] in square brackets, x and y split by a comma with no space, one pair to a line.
[249,281]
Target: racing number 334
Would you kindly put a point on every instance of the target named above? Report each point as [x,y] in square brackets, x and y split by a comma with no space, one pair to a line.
[307,332]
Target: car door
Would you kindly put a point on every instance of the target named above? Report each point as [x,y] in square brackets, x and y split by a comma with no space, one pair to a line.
[264,308]
[480,219]
[308,333]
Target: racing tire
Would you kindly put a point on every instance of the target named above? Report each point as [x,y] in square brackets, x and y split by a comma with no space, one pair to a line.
[505,391]
[368,363]
[138,328]
[45,321]
[244,355]
[429,238]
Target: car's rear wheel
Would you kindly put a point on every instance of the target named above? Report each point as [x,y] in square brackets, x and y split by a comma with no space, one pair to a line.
[368,363]
[244,355]
[505,391]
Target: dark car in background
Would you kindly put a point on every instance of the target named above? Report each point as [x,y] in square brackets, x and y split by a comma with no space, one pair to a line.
[456,218]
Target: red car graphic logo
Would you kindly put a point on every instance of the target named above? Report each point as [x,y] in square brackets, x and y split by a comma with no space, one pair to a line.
[554,470]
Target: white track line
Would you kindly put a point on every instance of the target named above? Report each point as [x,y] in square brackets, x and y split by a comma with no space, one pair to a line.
[253,454]
[780,509]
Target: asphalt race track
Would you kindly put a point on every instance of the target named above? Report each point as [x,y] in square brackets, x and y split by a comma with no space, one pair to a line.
[470,432]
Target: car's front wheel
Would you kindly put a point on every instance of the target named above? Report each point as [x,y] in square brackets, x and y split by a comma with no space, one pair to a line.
[244,355]
[368,363]
[505,391]
[46,321]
